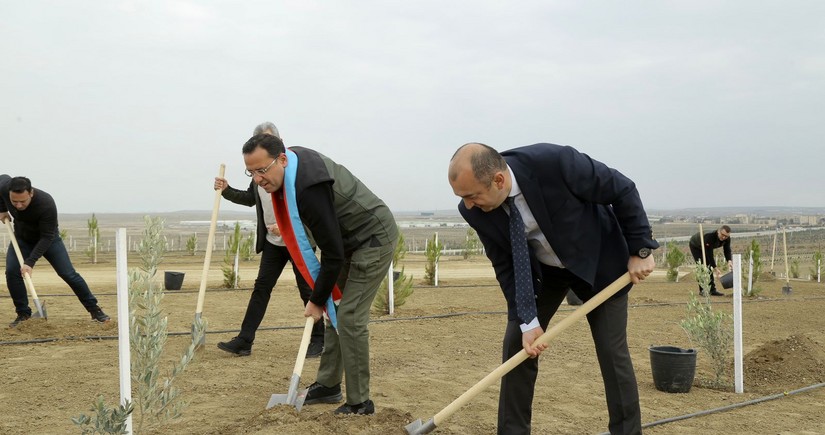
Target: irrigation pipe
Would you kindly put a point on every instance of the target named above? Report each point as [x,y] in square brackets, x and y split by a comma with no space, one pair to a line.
[731,406]
[394,319]
[175,292]
[266,328]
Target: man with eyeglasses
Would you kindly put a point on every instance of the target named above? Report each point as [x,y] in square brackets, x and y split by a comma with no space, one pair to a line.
[713,239]
[356,234]
[35,227]
[274,256]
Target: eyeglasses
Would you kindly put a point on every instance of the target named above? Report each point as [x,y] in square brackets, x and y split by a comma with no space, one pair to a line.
[260,172]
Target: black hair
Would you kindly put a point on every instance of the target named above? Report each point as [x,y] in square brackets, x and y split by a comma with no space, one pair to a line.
[272,144]
[20,185]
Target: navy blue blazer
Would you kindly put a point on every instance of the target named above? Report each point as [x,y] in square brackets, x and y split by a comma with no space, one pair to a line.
[591,214]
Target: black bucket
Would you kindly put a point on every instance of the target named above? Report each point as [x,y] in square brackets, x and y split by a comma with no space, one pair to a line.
[673,368]
[727,280]
[173,280]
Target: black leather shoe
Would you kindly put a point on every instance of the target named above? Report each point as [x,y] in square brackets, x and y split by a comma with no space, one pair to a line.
[364,408]
[20,318]
[99,316]
[320,394]
[315,350]
[237,345]
[716,293]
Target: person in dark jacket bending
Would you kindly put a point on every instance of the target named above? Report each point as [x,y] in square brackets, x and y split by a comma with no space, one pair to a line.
[713,240]
[35,227]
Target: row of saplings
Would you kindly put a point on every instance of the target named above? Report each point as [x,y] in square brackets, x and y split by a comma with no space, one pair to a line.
[711,330]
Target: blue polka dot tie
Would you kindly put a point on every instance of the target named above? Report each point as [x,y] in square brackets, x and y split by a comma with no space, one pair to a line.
[525,298]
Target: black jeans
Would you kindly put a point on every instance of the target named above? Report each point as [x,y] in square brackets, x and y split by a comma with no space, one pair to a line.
[711,264]
[608,327]
[57,256]
[273,261]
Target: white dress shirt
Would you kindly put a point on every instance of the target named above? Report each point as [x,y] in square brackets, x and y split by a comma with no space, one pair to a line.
[269,217]
[535,238]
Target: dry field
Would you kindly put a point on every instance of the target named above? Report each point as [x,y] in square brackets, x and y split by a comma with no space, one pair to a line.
[435,347]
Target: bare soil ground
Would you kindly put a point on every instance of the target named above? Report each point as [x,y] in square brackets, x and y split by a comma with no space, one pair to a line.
[435,347]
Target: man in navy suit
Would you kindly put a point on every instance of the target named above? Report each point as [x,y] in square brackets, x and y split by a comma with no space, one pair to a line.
[585,226]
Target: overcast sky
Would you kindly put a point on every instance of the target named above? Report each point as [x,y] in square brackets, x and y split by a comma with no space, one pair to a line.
[131,106]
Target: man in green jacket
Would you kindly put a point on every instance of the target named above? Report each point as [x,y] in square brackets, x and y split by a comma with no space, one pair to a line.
[356,234]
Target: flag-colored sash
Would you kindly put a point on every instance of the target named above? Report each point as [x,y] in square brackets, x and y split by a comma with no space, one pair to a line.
[295,238]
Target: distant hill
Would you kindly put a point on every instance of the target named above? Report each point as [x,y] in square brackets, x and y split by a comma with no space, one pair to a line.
[767,211]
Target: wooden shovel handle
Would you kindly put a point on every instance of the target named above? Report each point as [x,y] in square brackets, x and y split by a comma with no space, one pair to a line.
[545,338]
[26,277]
[210,240]
[302,349]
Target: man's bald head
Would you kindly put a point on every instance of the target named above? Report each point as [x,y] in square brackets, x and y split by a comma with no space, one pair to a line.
[482,160]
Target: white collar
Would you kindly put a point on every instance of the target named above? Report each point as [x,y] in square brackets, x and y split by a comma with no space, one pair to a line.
[515,190]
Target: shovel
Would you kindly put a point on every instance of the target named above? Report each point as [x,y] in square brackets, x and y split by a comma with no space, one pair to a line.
[293,396]
[41,308]
[417,427]
[200,339]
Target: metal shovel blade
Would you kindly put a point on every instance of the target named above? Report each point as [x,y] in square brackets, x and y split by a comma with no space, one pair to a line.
[40,312]
[418,427]
[786,290]
[294,397]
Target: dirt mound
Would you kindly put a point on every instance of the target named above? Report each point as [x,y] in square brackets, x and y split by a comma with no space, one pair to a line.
[783,365]
[34,329]
[311,422]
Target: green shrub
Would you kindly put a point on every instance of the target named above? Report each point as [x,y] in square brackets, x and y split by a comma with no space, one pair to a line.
[472,244]
[230,276]
[757,267]
[157,399]
[94,236]
[817,265]
[433,254]
[248,248]
[675,258]
[712,332]
[104,420]
[192,244]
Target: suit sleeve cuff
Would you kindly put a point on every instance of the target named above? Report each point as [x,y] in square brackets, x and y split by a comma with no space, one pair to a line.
[528,326]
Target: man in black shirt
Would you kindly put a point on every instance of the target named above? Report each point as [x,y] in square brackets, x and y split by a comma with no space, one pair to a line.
[713,239]
[35,219]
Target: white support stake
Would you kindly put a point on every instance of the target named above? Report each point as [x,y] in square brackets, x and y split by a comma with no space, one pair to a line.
[237,266]
[436,261]
[750,274]
[737,324]
[124,352]
[390,290]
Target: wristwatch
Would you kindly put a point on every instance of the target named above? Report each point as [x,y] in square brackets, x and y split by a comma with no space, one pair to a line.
[644,253]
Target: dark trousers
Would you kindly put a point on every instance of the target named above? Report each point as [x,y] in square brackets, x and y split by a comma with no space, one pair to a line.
[711,264]
[57,256]
[608,327]
[273,261]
